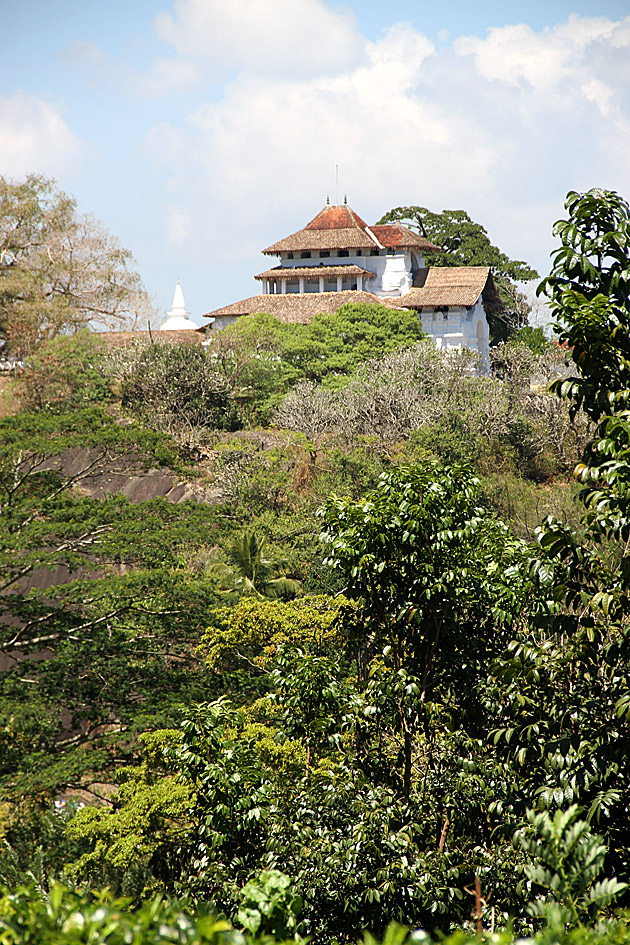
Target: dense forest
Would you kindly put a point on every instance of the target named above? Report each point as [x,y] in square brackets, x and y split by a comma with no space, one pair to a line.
[318,628]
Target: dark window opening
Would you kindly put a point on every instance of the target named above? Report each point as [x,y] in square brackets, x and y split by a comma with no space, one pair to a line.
[325,253]
[343,252]
[305,254]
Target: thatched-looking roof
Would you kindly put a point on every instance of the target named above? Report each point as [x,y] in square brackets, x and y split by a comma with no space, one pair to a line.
[341,228]
[313,272]
[452,286]
[296,307]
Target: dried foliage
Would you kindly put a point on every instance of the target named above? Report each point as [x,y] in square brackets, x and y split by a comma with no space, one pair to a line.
[424,388]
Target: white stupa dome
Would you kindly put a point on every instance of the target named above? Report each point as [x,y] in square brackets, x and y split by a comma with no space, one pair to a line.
[178,318]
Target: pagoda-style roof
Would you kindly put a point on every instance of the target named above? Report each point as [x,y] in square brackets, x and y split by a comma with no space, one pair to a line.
[312,272]
[295,307]
[339,227]
[452,286]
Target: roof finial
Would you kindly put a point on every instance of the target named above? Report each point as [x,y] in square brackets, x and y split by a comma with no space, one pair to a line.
[345,198]
[327,200]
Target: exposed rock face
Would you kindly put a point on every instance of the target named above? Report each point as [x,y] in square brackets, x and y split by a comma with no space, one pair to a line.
[98,474]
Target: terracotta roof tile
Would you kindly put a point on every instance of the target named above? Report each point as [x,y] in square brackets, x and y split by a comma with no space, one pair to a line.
[393,235]
[453,285]
[295,307]
[348,238]
[280,272]
[341,228]
[332,228]
[336,218]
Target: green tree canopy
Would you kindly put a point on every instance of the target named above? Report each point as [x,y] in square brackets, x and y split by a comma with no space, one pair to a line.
[262,357]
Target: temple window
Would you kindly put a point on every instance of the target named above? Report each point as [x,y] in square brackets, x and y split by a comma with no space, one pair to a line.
[305,254]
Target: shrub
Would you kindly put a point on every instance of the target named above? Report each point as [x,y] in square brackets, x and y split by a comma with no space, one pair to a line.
[65,374]
[177,390]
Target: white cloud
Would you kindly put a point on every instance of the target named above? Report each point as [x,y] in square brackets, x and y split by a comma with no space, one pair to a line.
[502,126]
[543,61]
[268,37]
[35,138]
[167,75]
[178,225]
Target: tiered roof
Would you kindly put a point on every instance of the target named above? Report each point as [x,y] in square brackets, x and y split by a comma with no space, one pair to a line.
[328,272]
[449,286]
[341,228]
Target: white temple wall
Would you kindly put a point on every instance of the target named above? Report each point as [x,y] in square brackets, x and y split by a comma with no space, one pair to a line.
[393,271]
[458,328]
[222,321]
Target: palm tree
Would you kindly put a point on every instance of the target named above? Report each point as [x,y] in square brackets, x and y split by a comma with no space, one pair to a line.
[248,571]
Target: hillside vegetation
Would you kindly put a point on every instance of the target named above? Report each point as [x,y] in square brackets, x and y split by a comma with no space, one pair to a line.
[375,669]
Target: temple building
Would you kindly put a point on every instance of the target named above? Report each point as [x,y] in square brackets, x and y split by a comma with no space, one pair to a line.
[337,258]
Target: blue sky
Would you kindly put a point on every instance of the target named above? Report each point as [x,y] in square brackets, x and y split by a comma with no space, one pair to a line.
[202,130]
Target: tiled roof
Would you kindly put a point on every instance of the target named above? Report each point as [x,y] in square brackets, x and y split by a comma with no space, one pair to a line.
[392,235]
[295,307]
[280,272]
[332,228]
[453,285]
[341,228]
[336,218]
[350,238]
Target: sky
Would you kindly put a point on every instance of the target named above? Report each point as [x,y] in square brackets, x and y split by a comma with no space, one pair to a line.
[201,131]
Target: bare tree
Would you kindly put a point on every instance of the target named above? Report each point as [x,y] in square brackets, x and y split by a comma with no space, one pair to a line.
[59,271]
[423,386]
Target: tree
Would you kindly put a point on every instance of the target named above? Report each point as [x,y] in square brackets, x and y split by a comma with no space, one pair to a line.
[112,646]
[175,388]
[567,860]
[248,571]
[466,243]
[59,271]
[588,289]
[66,373]
[421,558]
[261,357]
[564,690]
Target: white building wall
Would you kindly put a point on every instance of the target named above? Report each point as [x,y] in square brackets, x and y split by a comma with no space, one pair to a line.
[459,328]
[393,271]
[222,321]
